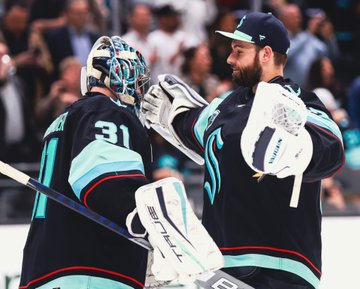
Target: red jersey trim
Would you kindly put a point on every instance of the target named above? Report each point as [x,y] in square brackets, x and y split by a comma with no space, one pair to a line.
[82,268]
[105,179]
[193,134]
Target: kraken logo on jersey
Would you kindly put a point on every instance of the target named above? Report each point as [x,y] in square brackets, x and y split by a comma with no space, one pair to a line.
[212,164]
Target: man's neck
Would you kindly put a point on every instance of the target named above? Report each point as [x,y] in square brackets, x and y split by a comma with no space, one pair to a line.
[103,90]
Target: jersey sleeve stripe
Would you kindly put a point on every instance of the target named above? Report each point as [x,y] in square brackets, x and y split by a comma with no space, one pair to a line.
[99,170]
[320,119]
[98,158]
[264,261]
[201,122]
[264,248]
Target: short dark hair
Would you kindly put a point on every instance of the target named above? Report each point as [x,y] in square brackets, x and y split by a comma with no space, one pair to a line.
[279,59]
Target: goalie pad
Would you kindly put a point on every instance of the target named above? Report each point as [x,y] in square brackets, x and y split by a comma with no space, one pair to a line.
[274,140]
[181,244]
[163,102]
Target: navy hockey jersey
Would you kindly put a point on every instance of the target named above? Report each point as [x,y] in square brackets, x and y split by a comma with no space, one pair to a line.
[250,220]
[97,153]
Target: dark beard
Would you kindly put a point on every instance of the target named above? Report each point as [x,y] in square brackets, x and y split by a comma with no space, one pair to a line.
[250,75]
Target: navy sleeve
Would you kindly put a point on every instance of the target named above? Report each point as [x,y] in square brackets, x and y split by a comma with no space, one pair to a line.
[328,151]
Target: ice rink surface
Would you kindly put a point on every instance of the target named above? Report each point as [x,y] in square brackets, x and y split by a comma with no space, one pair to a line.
[341,253]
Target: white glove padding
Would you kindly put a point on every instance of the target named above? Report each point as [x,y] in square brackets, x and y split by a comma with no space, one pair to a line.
[274,140]
[277,152]
[163,102]
[169,98]
[178,237]
[156,106]
[134,226]
[158,275]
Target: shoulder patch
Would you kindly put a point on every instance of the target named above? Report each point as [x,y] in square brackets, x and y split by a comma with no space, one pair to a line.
[212,118]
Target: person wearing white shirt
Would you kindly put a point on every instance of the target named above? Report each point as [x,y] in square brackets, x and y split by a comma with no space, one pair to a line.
[169,42]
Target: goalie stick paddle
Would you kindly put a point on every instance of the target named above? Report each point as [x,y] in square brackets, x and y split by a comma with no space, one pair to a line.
[209,280]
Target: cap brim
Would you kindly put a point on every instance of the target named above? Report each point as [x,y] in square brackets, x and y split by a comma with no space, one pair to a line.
[241,37]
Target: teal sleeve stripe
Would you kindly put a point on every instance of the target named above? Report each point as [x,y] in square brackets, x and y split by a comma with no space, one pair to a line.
[83,282]
[202,121]
[271,262]
[321,119]
[100,157]
[99,170]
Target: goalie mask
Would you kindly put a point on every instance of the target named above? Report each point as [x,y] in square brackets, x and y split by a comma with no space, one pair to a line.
[112,63]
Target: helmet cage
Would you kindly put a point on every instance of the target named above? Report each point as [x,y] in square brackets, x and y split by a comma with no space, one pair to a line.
[116,65]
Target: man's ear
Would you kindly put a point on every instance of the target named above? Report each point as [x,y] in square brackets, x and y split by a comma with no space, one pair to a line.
[266,54]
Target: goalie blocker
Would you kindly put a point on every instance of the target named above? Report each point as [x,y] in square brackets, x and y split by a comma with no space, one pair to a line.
[183,249]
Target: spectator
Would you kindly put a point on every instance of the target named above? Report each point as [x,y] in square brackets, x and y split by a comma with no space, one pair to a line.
[73,39]
[305,47]
[140,18]
[320,25]
[343,189]
[353,101]
[47,14]
[322,76]
[100,14]
[272,6]
[196,72]
[63,92]
[28,50]
[18,141]
[235,4]
[220,46]
[320,80]
[196,16]
[169,41]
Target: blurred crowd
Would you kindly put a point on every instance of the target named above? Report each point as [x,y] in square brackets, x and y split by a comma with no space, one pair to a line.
[44,44]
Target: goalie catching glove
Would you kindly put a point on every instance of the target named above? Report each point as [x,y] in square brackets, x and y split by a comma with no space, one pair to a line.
[183,249]
[163,102]
[274,140]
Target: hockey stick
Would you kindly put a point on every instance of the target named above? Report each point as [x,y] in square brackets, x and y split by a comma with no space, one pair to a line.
[209,280]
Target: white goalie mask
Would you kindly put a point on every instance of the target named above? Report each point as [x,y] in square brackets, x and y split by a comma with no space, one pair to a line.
[112,63]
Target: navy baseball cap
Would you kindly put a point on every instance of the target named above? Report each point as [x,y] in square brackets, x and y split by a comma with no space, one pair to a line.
[262,29]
